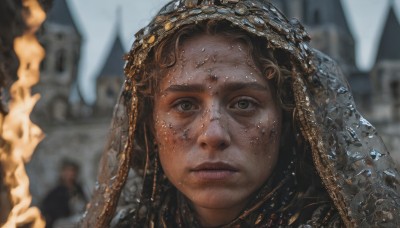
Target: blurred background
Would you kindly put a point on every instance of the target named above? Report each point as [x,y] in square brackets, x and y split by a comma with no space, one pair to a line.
[82,73]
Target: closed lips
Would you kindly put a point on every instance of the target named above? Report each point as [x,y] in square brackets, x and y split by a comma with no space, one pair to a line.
[212,166]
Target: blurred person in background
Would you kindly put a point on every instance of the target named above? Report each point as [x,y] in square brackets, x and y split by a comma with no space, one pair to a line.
[64,204]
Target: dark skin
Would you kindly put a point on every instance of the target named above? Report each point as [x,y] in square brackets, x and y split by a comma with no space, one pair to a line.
[217,127]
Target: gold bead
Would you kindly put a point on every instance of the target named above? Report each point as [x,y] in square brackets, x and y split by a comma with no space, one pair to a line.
[168,26]
[151,39]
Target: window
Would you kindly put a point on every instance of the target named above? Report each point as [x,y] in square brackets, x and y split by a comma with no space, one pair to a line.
[110,93]
[60,60]
[316,18]
[60,36]
[395,90]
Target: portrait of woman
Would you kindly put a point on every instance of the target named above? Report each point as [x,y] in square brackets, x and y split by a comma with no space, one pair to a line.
[228,118]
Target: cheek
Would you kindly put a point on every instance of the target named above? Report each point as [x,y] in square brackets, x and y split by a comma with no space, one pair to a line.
[165,136]
[263,137]
[268,146]
[272,127]
[171,137]
[271,133]
[172,149]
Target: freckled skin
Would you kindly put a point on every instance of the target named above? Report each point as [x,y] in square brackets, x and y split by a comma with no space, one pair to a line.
[200,119]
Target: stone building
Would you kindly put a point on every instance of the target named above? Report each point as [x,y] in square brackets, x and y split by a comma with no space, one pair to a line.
[330,33]
[385,75]
[327,25]
[62,40]
[385,78]
[70,132]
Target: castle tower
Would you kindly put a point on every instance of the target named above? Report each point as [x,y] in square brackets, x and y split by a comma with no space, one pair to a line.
[385,75]
[328,27]
[110,78]
[389,45]
[62,41]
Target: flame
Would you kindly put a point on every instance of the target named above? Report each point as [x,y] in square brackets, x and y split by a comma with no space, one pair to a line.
[18,135]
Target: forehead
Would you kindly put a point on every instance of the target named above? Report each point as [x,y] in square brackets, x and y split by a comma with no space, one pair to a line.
[213,53]
[212,60]
[217,45]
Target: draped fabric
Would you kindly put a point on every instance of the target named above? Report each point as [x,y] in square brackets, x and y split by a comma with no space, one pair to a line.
[360,181]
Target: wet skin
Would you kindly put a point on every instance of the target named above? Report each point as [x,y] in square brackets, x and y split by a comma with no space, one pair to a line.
[217,127]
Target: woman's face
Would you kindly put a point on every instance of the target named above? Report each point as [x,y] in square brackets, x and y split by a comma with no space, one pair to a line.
[217,124]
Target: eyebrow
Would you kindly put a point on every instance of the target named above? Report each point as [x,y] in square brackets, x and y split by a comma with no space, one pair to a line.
[198,88]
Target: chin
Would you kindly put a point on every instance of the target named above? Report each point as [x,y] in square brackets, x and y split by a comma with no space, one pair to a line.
[217,199]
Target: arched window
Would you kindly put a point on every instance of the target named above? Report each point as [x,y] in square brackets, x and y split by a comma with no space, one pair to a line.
[60,36]
[60,60]
[316,17]
[110,93]
[395,90]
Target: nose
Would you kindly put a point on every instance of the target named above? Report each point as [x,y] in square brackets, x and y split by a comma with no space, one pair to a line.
[214,134]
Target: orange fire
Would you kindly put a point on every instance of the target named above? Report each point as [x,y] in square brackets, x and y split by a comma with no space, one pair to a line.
[18,135]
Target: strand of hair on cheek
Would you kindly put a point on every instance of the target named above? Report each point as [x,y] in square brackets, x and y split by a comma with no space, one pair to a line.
[155,178]
[146,166]
[148,162]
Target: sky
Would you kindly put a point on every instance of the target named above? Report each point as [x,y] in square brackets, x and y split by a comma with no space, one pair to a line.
[99,20]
